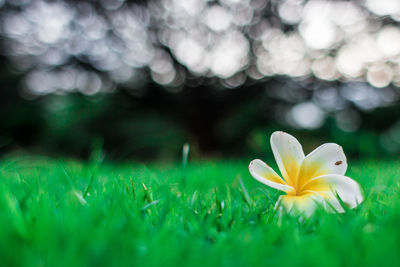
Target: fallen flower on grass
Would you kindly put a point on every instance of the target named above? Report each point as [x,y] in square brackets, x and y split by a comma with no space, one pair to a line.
[308,181]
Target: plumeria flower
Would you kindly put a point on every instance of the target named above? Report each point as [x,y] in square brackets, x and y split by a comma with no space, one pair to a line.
[308,181]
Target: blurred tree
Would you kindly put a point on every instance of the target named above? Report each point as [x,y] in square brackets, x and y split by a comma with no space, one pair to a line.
[150,74]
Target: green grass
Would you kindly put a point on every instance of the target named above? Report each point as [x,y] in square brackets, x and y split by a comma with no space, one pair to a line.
[214,213]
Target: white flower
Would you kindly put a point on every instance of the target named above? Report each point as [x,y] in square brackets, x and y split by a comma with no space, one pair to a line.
[308,181]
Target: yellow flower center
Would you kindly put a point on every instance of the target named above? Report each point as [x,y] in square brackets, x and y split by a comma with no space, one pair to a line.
[300,178]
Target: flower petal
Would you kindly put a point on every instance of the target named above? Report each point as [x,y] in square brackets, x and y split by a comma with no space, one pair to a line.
[304,204]
[329,185]
[266,175]
[288,154]
[326,159]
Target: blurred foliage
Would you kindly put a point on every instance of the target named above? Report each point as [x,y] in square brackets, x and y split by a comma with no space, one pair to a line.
[148,76]
[155,125]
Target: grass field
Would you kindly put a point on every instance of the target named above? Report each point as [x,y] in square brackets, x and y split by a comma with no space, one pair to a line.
[67,213]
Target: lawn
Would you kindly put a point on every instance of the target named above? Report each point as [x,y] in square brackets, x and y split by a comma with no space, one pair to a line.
[56,212]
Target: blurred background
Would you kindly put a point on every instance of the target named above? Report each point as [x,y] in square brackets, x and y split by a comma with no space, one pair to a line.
[144,77]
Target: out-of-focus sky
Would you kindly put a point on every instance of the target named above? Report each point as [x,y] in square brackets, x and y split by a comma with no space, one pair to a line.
[228,39]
